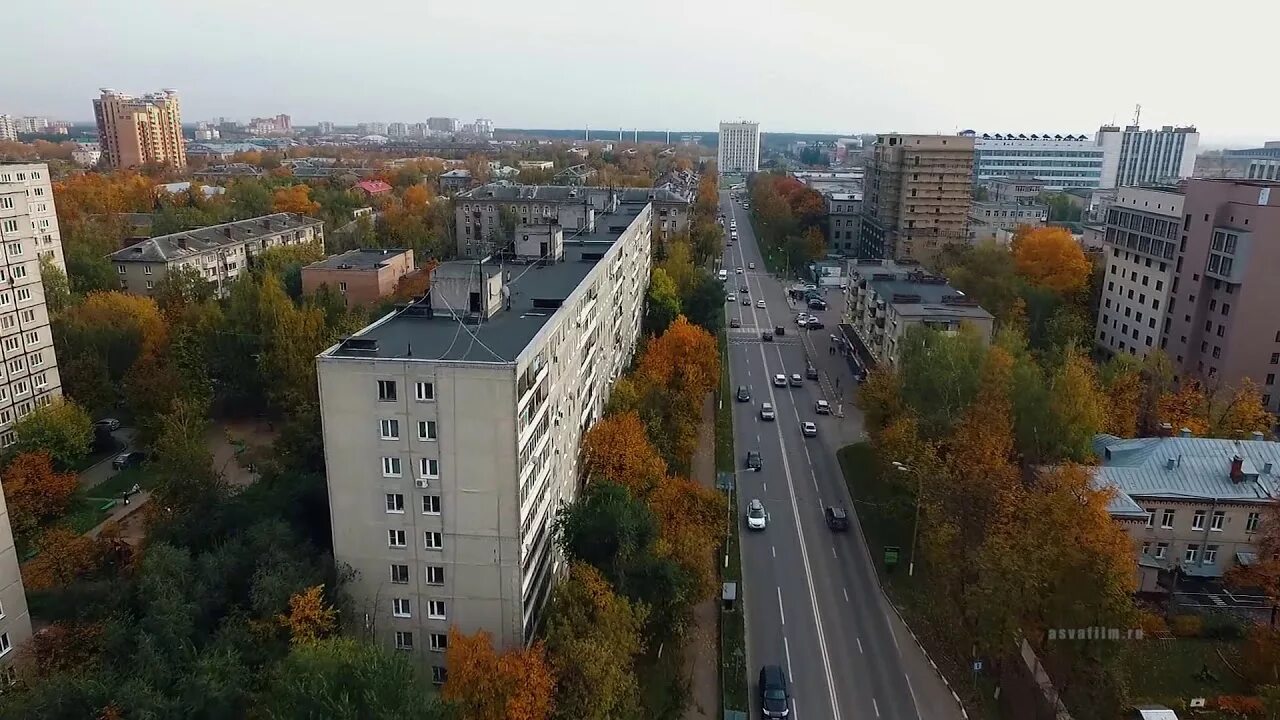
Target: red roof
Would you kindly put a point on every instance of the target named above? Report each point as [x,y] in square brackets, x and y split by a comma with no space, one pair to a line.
[373,187]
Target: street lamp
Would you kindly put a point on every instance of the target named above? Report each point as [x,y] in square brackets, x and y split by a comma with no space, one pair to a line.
[915,526]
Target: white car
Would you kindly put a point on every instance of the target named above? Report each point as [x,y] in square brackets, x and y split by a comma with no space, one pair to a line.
[757,518]
[767,412]
[779,380]
[809,429]
[822,407]
[739,271]
[760,304]
[802,319]
[730,297]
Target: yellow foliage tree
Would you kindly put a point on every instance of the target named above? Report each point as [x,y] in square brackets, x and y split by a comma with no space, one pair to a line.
[487,685]
[310,618]
[1240,414]
[1186,407]
[1050,258]
[294,199]
[618,449]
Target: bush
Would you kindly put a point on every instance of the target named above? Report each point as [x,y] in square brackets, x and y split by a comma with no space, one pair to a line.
[1152,625]
[1187,625]
[1223,626]
[1240,706]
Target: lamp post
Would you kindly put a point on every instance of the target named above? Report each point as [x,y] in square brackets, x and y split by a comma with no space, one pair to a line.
[915,526]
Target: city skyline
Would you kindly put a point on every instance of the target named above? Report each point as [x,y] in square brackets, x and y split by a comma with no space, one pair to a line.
[809,68]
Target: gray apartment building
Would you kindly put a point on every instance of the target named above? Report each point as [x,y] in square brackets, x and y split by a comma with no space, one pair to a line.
[917,196]
[844,220]
[452,428]
[997,221]
[220,253]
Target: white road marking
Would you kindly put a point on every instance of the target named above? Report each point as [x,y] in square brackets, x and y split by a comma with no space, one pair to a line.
[875,706]
[833,552]
[781,614]
[764,486]
[773,550]
[786,647]
[846,593]
[914,702]
[859,645]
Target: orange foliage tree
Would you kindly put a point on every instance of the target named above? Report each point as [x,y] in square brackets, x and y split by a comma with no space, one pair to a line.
[62,647]
[79,196]
[618,449]
[310,617]
[1220,412]
[1048,257]
[486,685]
[34,492]
[65,556]
[688,516]
[294,199]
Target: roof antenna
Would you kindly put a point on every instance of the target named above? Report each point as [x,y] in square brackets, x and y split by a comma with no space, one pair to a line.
[1137,113]
[409,350]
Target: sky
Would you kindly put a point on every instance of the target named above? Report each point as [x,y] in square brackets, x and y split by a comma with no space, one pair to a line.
[792,65]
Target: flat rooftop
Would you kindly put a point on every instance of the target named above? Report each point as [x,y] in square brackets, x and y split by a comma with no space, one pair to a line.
[359,259]
[180,245]
[566,194]
[929,295]
[410,333]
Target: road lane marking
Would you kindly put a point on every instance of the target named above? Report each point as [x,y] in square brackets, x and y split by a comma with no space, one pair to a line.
[875,706]
[914,702]
[764,486]
[781,614]
[833,552]
[786,647]
[846,593]
[773,550]
[859,645]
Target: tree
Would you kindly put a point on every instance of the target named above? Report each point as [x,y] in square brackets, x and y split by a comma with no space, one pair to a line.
[62,647]
[65,556]
[939,375]
[116,326]
[61,429]
[248,199]
[617,449]
[57,289]
[1079,409]
[662,305]
[294,199]
[486,685]
[310,617]
[34,492]
[1187,407]
[1240,413]
[1049,257]
[880,399]
[1122,383]
[704,306]
[608,528]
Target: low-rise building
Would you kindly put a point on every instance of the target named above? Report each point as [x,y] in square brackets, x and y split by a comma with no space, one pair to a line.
[1005,190]
[220,253]
[372,188]
[883,299]
[1193,506]
[214,173]
[997,221]
[537,165]
[455,181]
[574,175]
[86,154]
[362,277]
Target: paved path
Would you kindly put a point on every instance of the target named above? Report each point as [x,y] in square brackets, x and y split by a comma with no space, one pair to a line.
[701,656]
[102,470]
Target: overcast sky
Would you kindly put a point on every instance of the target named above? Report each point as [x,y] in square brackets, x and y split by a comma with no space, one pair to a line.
[792,65]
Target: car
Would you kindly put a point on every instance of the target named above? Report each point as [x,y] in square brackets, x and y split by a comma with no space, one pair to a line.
[744,289]
[779,380]
[735,323]
[108,424]
[760,304]
[779,330]
[796,380]
[751,266]
[757,518]
[837,518]
[767,412]
[817,304]
[128,460]
[811,372]
[746,301]
[775,699]
[753,460]
[808,429]
[744,393]
[730,297]
[802,318]
[739,271]
[814,324]
[766,336]
[822,407]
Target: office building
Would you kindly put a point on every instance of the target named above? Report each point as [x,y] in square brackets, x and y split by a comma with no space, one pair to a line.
[29,376]
[136,131]
[738,147]
[8,129]
[361,277]
[1132,156]
[883,299]
[917,196]
[444,124]
[452,430]
[1194,507]
[1057,162]
[220,253]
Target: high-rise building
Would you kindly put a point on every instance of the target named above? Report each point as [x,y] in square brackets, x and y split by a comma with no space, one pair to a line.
[739,147]
[452,428]
[136,131]
[484,127]
[917,196]
[1133,156]
[8,129]
[397,129]
[1057,161]
[444,124]
[324,127]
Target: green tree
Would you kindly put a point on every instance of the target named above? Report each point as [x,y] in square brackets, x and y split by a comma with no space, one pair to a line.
[177,219]
[662,305]
[181,287]
[248,199]
[704,305]
[60,428]
[57,289]
[939,375]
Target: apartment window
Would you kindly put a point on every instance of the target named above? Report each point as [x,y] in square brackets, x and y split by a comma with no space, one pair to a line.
[28,316]
[9,226]
[389,429]
[436,609]
[15,365]
[1251,523]
[6,203]
[391,467]
[439,675]
[404,640]
[1275,357]
[426,429]
[439,642]
[396,539]
[386,390]
[1146,548]
[435,574]
[1191,553]
[425,391]
[1210,554]
[400,607]
[14,248]
[5,645]
[428,468]
[33,337]
[400,574]
[1271,378]
[395,503]
[11,344]
[40,381]
[23,294]
[1197,521]
[432,540]
[1161,550]
[1167,520]
[1151,517]
[1219,517]
[430,504]
[9,438]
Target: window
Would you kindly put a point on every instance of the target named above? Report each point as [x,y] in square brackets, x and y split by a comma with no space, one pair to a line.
[23,294]
[28,316]
[435,609]
[400,574]
[1275,357]
[14,249]
[1251,523]
[395,539]
[435,574]
[428,468]
[1192,552]
[1161,550]
[391,467]
[1210,554]
[395,503]
[1151,517]
[439,642]
[1271,378]
[1197,521]
[389,429]
[1219,517]
[425,391]
[432,540]
[439,675]
[426,429]
[404,640]
[1167,520]
[1226,308]
[430,504]
[1146,549]
[6,203]
[32,337]
[11,344]
[400,607]
[5,646]
[9,226]
[40,381]
[386,390]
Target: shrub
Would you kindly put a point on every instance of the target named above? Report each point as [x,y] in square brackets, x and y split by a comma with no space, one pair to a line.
[1152,625]
[1223,626]
[1187,625]
[1240,706]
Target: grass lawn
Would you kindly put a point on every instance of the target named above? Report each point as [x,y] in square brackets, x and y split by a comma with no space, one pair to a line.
[115,485]
[1165,671]
[733,634]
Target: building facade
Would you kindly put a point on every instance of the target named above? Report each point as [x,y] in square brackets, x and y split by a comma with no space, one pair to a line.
[444,124]
[844,222]
[135,131]
[739,147]
[219,253]
[452,429]
[1057,162]
[33,180]
[8,130]
[917,196]
[1133,156]
[15,619]
[362,277]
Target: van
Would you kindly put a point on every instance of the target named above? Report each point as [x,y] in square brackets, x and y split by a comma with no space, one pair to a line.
[723,275]
[775,698]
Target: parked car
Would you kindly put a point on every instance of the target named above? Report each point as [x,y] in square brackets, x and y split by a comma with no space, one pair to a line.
[735,323]
[767,412]
[817,304]
[757,518]
[128,460]
[775,698]
[822,407]
[779,380]
[744,393]
[753,460]
[796,380]
[808,429]
[110,424]
[837,519]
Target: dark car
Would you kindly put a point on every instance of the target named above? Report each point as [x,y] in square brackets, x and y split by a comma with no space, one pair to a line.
[779,330]
[128,460]
[837,519]
[766,336]
[744,393]
[109,424]
[746,301]
[811,372]
[743,289]
[735,323]
[775,698]
[753,460]
[814,324]
[817,304]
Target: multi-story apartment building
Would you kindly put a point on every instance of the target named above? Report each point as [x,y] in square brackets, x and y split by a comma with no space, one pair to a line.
[220,253]
[33,179]
[135,131]
[452,429]
[8,130]
[324,127]
[739,147]
[484,128]
[1142,229]
[844,218]
[1194,507]
[997,221]
[444,124]
[883,299]
[1133,156]
[1057,161]
[362,277]
[917,196]
[574,209]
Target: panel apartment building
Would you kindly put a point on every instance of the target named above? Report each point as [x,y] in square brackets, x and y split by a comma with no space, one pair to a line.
[738,148]
[1208,294]
[452,428]
[135,131]
[917,196]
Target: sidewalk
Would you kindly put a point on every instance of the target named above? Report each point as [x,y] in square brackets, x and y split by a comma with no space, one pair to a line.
[122,513]
[701,662]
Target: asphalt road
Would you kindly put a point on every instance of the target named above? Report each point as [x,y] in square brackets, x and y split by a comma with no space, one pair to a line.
[811,598]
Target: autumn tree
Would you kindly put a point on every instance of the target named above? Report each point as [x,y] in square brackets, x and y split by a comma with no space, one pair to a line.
[1186,407]
[880,399]
[617,449]
[939,375]
[486,685]
[1079,409]
[61,647]
[1049,257]
[294,199]
[64,556]
[310,616]
[662,303]
[61,428]
[34,492]
[1122,384]
[115,328]
[1239,413]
